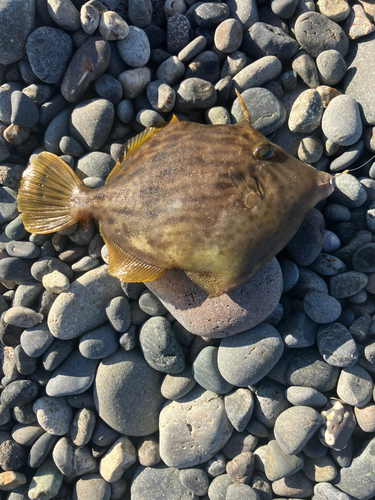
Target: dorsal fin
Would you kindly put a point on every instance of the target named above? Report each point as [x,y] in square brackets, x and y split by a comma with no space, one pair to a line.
[245,117]
[127,268]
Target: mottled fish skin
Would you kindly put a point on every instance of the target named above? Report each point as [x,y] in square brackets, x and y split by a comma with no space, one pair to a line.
[197,197]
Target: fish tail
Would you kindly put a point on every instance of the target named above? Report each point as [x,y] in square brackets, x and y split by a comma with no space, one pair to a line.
[45,195]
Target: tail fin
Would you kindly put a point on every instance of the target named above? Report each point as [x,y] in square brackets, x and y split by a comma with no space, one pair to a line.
[45,193]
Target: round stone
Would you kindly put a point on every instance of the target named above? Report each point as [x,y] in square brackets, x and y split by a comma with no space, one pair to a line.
[321,307]
[54,414]
[91,486]
[206,373]
[347,284]
[341,121]
[135,48]
[336,345]
[99,343]
[18,393]
[294,427]
[306,112]
[49,51]
[151,482]
[112,26]
[247,357]
[134,389]
[239,406]
[135,81]
[355,386]
[193,429]
[228,36]
[331,67]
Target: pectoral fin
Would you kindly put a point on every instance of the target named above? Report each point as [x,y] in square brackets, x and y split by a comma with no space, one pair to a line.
[250,194]
[127,268]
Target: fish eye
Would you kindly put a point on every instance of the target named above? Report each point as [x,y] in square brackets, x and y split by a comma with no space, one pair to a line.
[265,151]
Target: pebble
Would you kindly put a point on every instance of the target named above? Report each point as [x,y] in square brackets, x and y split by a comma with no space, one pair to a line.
[246,358]
[194,93]
[278,464]
[266,40]
[135,48]
[82,426]
[55,282]
[160,347]
[140,12]
[148,451]
[92,486]
[135,81]
[192,49]
[310,149]
[305,368]
[57,128]
[206,372]
[87,65]
[46,482]
[347,284]
[22,249]
[206,66]
[331,67]
[256,74]
[112,26]
[316,33]
[195,480]
[270,402]
[47,265]
[307,243]
[210,15]
[178,33]
[24,111]
[204,432]
[357,23]
[161,96]
[304,65]
[99,343]
[363,259]
[348,191]
[240,469]
[297,330]
[11,480]
[296,485]
[267,112]
[27,434]
[64,13]
[344,132]
[118,313]
[350,479]
[54,415]
[117,460]
[16,23]
[337,11]
[306,113]
[94,164]
[72,460]
[228,36]
[244,11]
[305,396]
[327,264]
[188,304]
[8,204]
[12,455]
[355,386]
[49,51]
[239,406]
[150,483]
[294,427]
[320,469]
[321,307]
[96,284]
[175,386]
[23,317]
[40,449]
[25,365]
[336,345]
[134,389]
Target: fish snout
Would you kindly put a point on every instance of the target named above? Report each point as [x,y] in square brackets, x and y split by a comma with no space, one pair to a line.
[325,187]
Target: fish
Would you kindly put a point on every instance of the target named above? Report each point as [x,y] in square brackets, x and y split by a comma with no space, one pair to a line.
[216,201]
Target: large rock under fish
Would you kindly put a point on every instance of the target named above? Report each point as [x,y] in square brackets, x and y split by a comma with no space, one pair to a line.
[217,201]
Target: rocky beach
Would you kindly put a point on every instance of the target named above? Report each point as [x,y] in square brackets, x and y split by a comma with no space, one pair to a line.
[131,391]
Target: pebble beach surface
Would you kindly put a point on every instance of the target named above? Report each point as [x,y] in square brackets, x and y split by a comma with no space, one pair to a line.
[125,391]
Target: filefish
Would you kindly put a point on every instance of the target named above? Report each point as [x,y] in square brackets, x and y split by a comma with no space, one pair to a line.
[217,201]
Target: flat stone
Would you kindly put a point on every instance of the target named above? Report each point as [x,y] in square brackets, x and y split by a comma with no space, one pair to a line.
[71,316]
[64,13]
[135,47]
[294,427]
[242,309]
[190,433]
[256,74]
[134,388]
[73,460]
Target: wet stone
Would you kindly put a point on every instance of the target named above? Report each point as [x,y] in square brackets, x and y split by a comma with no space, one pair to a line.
[49,51]
[278,464]
[347,284]
[160,347]
[209,431]
[73,376]
[317,33]
[355,386]
[134,389]
[88,63]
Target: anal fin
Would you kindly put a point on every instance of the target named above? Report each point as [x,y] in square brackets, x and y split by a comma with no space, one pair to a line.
[127,268]
[209,283]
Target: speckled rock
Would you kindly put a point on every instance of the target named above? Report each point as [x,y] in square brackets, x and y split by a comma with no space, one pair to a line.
[201,316]
[150,482]
[17,20]
[134,389]
[190,421]
[70,316]
[54,415]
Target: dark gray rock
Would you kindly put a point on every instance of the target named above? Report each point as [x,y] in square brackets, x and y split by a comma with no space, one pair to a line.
[205,66]
[16,21]
[316,33]
[140,12]
[24,111]
[193,94]
[270,402]
[266,40]
[135,48]
[56,353]
[307,243]
[99,343]
[107,87]
[363,259]
[347,284]
[12,455]
[18,393]
[331,67]
[328,265]
[160,347]
[58,127]
[206,372]
[40,449]
[298,330]
[14,269]
[178,33]
[305,396]
[321,307]
[49,51]
[149,482]
[87,65]
[134,389]
[210,15]
[336,345]
[8,204]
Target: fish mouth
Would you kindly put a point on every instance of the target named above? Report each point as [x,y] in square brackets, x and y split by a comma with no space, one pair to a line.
[325,185]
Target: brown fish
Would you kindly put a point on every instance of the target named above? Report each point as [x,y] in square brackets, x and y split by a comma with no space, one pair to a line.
[217,201]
